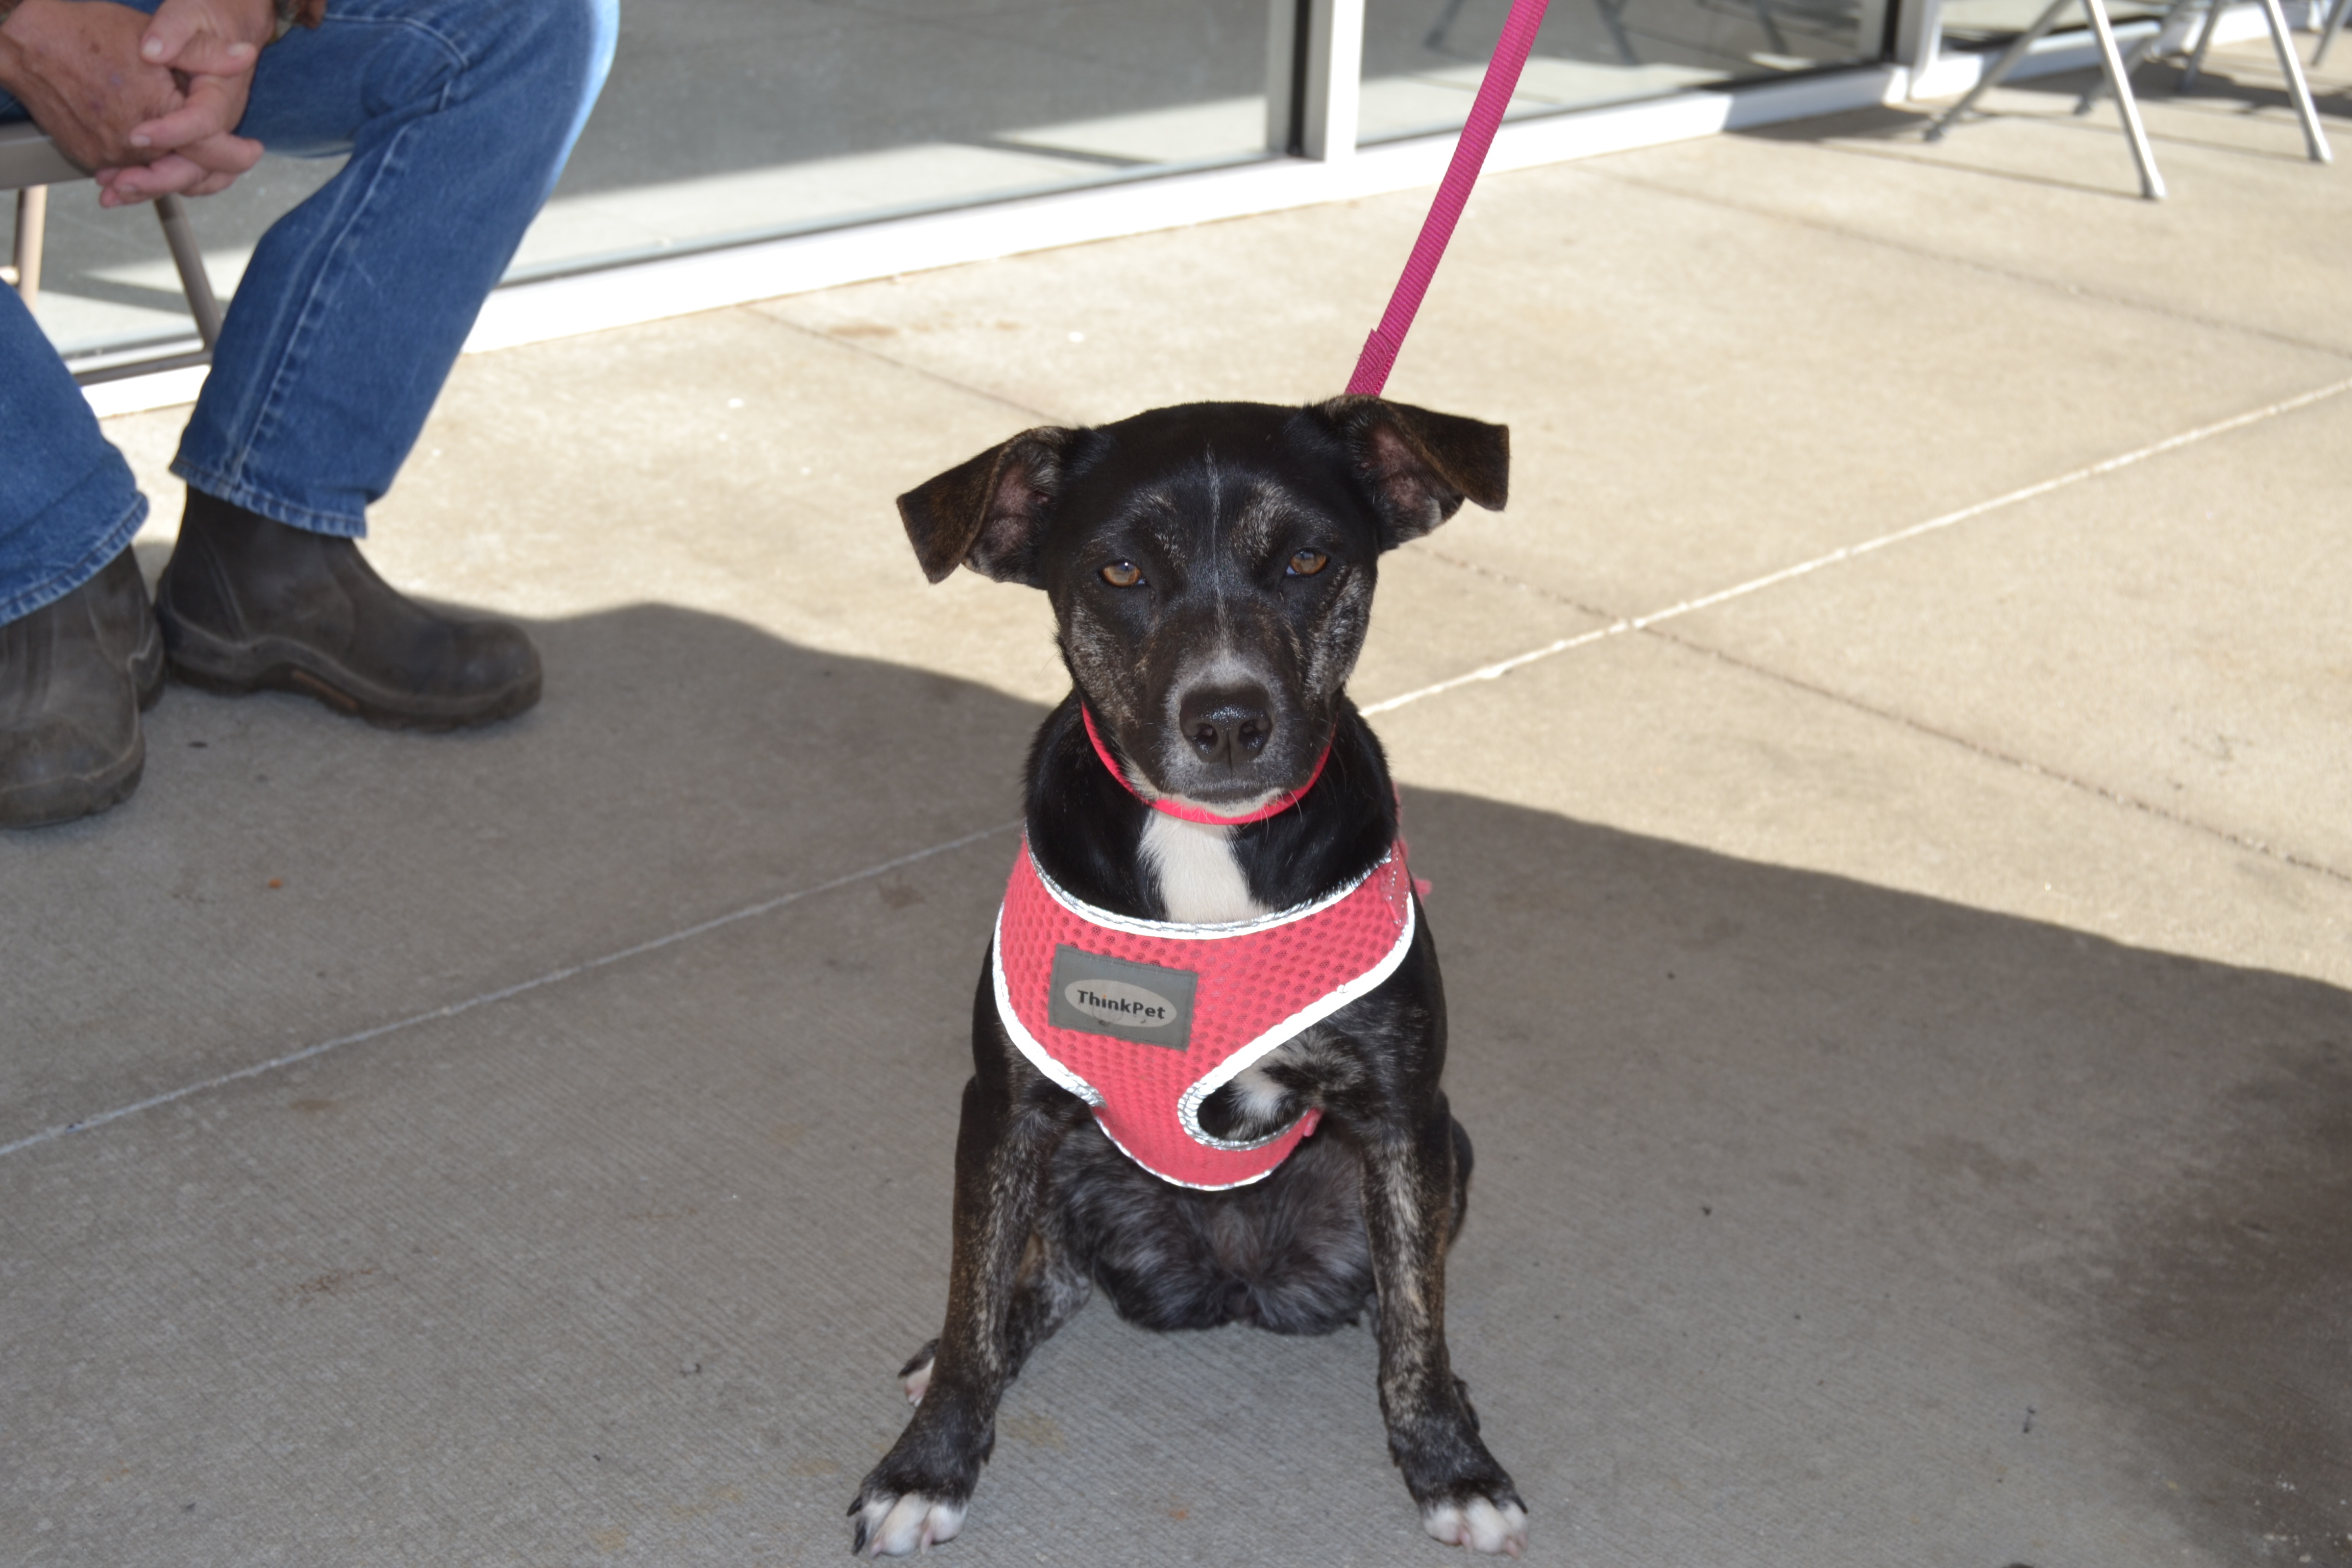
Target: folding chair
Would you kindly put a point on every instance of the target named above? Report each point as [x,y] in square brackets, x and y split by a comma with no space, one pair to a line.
[31,163]
[2314,139]
[2151,183]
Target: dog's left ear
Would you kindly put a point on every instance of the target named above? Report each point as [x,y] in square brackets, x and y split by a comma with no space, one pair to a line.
[1421,465]
[988,513]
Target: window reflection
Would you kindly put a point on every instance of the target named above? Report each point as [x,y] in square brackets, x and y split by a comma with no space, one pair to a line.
[732,120]
[1424,58]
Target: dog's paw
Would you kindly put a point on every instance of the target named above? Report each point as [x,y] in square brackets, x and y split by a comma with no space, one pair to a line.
[915,1377]
[1479,1523]
[892,1525]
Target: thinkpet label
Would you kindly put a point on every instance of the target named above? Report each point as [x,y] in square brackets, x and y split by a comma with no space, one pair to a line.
[1138,1002]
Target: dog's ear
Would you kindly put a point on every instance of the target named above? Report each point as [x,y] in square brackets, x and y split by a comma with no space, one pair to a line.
[1421,465]
[988,513]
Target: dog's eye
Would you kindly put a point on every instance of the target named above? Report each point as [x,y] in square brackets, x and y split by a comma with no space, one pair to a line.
[1307,563]
[1122,574]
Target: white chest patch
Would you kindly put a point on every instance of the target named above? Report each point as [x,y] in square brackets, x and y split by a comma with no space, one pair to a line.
[1201,883]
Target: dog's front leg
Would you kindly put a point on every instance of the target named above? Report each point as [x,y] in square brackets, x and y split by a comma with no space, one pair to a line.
[916,1496]
[1466,1497]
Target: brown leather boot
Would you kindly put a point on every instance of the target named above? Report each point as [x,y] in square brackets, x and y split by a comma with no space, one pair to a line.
[248,604]
[74,677]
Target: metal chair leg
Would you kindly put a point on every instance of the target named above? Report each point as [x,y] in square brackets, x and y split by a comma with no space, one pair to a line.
[2314,139]
[1436,42]
[2204,42]
[32,226]
[2327,34]
[181,235]
[2151,183]
[2001,67]
[1613,18]
[2133,56]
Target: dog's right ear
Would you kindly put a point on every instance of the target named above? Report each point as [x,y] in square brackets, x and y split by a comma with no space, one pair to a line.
[989,513]
[1421,465]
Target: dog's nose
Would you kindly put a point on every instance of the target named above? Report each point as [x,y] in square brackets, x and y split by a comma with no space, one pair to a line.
[1227,724]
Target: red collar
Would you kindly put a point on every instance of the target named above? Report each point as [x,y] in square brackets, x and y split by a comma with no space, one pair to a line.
[1274,807]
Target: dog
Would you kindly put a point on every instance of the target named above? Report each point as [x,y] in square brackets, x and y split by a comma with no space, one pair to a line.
[1208,1036]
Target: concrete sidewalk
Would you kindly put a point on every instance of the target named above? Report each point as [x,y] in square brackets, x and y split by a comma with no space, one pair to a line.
[1899,987]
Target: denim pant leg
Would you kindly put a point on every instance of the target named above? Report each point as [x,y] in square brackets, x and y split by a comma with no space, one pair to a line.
[459,115]
[67,502]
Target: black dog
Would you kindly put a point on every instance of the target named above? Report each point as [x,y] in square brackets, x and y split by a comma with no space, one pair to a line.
[1211,569]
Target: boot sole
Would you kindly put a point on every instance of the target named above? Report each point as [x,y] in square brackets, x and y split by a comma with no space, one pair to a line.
[302,680]
[228,669]
[53,801]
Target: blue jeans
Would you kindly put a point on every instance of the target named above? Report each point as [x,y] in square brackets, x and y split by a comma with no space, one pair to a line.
[459,115]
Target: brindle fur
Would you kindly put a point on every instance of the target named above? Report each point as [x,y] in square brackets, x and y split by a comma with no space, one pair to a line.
[1210,501]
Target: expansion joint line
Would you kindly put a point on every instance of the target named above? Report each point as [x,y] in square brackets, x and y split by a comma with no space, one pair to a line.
[1650,622]
[1501,668]
[553,976]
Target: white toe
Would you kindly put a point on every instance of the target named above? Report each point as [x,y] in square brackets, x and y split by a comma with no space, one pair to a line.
[918,1383]
[1480,1525]
[896,1527]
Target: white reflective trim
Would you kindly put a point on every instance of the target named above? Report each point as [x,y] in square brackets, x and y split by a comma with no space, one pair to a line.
[1172,931]
[1188,1109]
[1039,1057]
[1186,1106]
[1196,1186]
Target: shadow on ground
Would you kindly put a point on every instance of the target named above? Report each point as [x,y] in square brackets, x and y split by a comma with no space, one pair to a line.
[284,877]
[1807,1214]
[2130,1170]
[2217,91]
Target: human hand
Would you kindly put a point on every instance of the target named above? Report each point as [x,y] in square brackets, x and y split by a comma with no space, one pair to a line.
[211,46]
[76,65]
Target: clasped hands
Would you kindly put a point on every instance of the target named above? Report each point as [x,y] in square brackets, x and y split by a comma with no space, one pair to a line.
[150,105]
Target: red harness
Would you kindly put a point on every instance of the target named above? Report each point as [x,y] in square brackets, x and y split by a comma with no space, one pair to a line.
[1145,1020]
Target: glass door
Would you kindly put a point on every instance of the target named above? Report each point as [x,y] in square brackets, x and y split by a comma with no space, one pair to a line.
[727,121]
[1424,58]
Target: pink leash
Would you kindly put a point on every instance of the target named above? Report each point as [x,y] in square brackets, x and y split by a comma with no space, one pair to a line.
[1380,348]
[1469,156]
